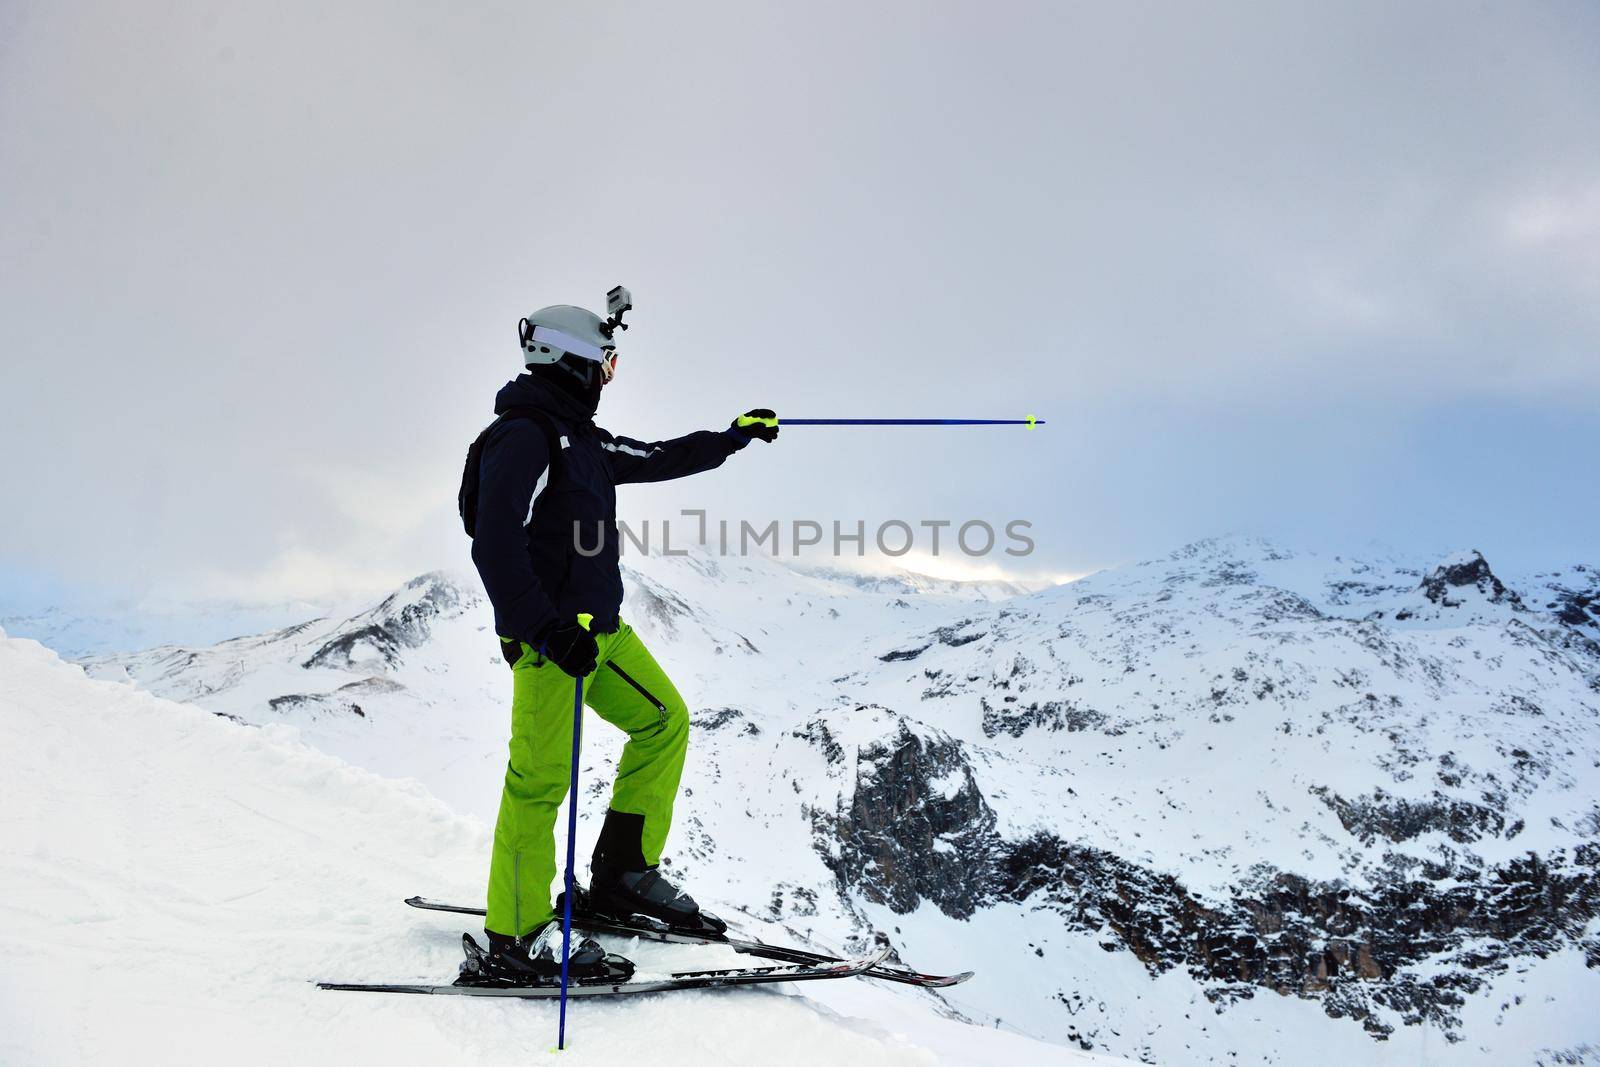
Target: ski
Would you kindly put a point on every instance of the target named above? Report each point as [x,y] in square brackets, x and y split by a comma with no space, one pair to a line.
[650,930]
[713,979]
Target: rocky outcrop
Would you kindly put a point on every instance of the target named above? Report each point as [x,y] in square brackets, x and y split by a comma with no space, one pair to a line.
[915,822]
[1416,940]
[1468,571]
[1396,819]
[732,719]
[342,701]
[1012,716]
[1356,951]
[1573,597]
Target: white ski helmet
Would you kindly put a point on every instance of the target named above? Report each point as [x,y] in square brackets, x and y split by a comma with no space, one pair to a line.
[563,330]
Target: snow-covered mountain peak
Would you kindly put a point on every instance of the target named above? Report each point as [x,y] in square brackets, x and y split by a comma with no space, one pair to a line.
[375,640]
[1460,590]
[1230,547]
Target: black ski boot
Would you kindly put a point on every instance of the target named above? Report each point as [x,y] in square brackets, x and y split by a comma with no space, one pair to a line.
[622,886]
[536,960]
[647,893]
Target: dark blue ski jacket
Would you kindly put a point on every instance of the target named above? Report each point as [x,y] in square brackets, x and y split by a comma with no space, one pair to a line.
[531,523]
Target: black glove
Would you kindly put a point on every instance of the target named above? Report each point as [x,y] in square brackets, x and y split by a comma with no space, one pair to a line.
[572,648]
[758,422]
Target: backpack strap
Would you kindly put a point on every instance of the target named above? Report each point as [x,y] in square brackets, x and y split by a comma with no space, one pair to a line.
[542,419]
[467,496]
[552,437]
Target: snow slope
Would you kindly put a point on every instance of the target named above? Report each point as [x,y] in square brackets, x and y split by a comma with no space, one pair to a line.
[171,883]
[1204,809]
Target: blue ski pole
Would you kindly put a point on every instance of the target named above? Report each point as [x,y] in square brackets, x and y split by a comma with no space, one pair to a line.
[572,842]
[1030,422]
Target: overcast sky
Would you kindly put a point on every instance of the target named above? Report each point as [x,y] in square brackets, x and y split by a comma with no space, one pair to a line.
[1325,271]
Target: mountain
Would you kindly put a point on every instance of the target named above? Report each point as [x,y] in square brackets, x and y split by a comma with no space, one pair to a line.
[1246,765]
[175,882]
[1204,809]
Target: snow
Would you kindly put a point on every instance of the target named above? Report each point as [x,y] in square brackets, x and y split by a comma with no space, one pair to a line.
[1212,705]
[173,882]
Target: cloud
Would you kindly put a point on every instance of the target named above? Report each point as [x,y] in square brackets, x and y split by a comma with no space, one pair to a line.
[1571,217]
[298,573]
[266,265]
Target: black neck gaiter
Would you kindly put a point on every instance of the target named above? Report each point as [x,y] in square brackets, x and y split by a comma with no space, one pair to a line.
[577,378]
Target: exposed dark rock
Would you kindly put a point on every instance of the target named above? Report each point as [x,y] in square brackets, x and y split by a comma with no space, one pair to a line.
[314,703]
[716,719]
[1314,939]
[1052,715]
[1231,573]
[712,719]
[792,900]
[953,636]
[915,825]
[1280,605]
[817,733]
[918,828]
[1395,819]
[1441,584]
[1343,592]
[1576,609]
[1575,601]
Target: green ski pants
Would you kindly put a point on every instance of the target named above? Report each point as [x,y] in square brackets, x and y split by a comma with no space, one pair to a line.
[539,770]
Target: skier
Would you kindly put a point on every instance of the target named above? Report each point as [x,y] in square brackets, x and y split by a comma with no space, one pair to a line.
[539,499]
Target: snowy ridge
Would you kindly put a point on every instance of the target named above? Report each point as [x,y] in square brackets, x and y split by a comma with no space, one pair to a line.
[1195,810]
[172,883]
